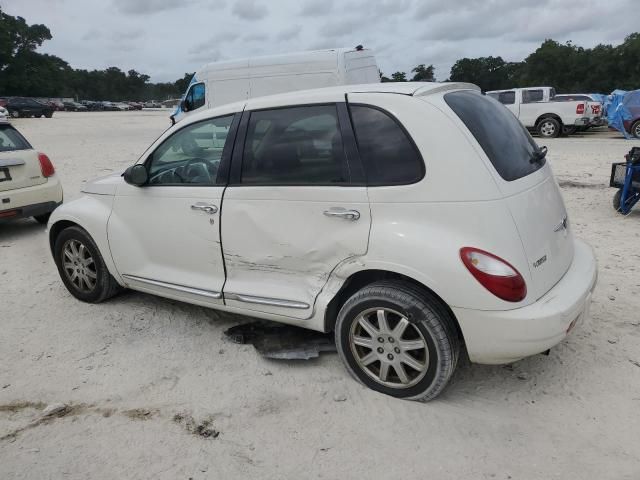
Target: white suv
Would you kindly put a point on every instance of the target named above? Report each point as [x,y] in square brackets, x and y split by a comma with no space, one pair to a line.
[411,219]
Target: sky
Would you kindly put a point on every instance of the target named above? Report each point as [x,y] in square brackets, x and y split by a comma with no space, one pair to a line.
[166,38]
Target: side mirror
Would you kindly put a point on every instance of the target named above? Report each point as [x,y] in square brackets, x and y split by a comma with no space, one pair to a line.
[136,175]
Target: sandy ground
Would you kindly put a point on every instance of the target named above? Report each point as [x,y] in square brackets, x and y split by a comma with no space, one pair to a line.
[151,382]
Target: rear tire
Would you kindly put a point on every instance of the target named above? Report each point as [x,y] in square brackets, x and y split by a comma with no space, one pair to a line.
[398,340]
[635,129]
[48,114]
[549,128]
[82,268]
[15,114]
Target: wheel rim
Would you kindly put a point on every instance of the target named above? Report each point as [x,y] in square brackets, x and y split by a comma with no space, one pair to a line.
[548,129]
[388,348]
[79,266]
[636,131]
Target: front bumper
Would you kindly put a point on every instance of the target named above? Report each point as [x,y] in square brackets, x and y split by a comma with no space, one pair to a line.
[496,337]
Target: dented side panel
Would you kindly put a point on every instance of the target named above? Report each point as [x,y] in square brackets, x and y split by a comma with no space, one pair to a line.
[279,245]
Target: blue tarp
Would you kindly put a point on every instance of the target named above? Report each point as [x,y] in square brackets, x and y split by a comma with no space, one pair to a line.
[618,105]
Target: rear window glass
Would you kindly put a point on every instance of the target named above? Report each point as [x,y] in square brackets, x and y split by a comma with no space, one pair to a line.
[500,134]
[10,139]
[389,155]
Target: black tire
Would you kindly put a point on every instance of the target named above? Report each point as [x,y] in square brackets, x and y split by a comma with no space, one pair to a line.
[43,219]
[570,130]
[48,114]
[105,285]
[15,114]
[635,129]
[549,127]
[429,321]
[617,200]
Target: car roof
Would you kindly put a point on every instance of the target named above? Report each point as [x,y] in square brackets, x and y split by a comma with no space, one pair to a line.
[330,94]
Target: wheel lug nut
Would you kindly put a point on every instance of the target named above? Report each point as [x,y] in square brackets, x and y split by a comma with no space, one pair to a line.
[391,340]
[381,340]
[390,357]
[380,350]
[397,350]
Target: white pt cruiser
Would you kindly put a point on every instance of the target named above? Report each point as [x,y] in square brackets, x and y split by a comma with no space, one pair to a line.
[413,220]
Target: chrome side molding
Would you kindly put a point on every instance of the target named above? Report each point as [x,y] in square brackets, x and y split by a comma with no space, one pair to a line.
[275,302]
[173,286]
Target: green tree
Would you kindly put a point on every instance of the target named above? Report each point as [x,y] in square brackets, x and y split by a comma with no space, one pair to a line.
[399,77]
[423,74]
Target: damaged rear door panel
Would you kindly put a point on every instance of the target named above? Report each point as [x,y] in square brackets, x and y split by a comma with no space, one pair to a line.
[292,213]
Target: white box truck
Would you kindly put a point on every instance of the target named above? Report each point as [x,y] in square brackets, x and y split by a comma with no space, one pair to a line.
[234,80]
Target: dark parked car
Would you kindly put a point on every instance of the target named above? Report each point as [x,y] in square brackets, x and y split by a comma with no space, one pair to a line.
[74,107]
[27,107]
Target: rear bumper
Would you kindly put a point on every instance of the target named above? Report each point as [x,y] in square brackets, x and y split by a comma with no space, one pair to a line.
[582,121]
[496,337]
[30,201]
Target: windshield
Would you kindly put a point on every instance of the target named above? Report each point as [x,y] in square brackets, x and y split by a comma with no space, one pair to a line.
[510,148]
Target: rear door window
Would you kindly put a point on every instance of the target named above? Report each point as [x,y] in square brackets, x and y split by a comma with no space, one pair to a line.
[532,96]
[389,155]
[295,146]
[506,142]
[10,139]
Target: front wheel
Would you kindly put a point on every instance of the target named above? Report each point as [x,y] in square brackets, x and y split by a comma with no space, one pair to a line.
[15,113]
[635,129]
[397,340]
[617,200]
[82,268]
[549,128]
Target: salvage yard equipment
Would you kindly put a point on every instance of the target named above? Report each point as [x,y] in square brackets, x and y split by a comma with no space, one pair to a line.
[625,176]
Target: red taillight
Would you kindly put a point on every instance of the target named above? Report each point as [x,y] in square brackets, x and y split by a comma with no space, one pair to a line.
[45,165]
[580,109]
[494,274]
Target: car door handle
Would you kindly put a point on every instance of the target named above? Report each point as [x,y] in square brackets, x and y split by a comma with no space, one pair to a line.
[205,207]
[348,214]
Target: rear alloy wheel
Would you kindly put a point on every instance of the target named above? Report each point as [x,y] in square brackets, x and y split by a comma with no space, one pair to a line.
[82,268]
[635,129]
[398,340]
[549,128]
[15,113]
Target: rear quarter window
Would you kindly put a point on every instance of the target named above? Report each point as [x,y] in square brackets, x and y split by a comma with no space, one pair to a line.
[389,155]
[10,139]
[506,142]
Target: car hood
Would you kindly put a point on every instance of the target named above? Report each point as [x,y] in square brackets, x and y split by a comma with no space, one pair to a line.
[106,185]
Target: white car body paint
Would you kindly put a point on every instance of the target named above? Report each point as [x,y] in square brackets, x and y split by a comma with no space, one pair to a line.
[283,254]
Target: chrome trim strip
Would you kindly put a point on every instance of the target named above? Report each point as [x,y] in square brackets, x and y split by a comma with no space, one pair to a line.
[11,162]
[275,302]
[173,286]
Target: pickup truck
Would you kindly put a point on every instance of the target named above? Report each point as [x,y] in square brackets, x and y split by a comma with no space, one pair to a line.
[595,108]
[537,111]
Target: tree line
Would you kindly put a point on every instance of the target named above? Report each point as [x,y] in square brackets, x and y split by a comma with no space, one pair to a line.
[566,66]
[26,72]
